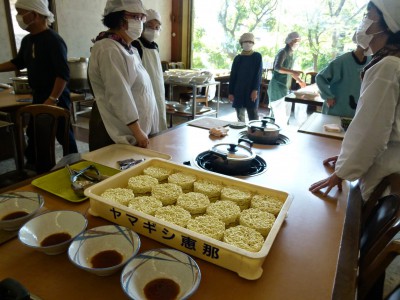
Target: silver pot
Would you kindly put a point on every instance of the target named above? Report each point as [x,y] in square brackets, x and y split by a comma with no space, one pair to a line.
[21,85]
[78,73]
[263,131]
[232,158]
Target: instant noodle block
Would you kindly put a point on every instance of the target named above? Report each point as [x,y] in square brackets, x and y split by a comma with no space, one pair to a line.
[247,264]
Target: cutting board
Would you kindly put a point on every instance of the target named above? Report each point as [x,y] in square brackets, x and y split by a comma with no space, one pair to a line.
[315,125]
[208,123]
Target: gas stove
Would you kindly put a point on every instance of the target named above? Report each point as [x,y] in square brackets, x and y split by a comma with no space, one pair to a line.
[257,165]
[282,139]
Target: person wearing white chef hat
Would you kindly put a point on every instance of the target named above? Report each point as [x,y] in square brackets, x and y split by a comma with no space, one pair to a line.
[121,85]
[149,53]
[371,146]
[44,54]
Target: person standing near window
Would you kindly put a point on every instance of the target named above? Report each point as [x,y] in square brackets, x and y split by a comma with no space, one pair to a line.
[149,53]
[283,72]
[122,86]
[44,53]
[245,80]
[339,83]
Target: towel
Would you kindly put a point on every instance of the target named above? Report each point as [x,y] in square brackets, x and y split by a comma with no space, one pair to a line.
[333,128]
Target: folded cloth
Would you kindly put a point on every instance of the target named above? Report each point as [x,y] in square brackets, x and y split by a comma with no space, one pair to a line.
[333,127]
[219,131]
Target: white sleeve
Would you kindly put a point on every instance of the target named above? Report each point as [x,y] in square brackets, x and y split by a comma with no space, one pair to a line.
[118,83]
[369,132]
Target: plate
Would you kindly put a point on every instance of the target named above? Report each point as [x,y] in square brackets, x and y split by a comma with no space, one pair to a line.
[58,183]
[237,125]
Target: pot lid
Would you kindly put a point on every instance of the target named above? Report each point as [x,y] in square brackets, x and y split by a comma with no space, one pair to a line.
[234,151]
[265,124]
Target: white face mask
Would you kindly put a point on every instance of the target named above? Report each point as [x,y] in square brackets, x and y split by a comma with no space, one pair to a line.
[368,52]
[21,22]
[151,34]
[362,37]
[135,28]
[247,46]
[295,46]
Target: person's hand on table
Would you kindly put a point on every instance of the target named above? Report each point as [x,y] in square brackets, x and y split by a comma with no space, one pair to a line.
[254,95]
[327,183]
[331,161]
[141,137]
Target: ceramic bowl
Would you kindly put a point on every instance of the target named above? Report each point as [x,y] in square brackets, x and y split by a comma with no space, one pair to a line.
[171,271]
[52,231]
[104,250]
[16,208]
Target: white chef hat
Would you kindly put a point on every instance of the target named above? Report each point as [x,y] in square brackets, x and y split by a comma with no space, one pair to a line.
[247,37]
[292,36]
[132,6]
[39,6]
[391,13]
[153,15]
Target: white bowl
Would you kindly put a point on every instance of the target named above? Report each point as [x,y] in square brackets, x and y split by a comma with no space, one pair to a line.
[16,208]
[111,244]
[158,264]
[52,223]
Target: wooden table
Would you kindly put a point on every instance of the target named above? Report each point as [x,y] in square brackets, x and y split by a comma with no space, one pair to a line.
[315,125]
[318,101]
[302,262]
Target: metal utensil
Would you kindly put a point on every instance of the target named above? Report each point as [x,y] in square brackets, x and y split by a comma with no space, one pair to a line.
[79,186]
[127,163]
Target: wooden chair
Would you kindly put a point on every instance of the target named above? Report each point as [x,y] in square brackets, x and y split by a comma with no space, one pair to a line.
[44,121]
[310,77]
[377,249]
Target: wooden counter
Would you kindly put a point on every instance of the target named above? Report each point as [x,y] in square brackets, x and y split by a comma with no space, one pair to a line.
[301,264]
[315,125]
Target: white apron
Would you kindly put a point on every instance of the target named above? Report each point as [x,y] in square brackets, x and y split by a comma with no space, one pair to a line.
[152,63]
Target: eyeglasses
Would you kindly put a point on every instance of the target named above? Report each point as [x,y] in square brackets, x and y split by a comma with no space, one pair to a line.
[158,27]
[251,42]
[137,17]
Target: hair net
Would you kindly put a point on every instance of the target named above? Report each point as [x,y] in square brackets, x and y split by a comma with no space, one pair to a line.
[39,6]
[391,13]
[153,15]
[247,37]
[292,36]
[132,6]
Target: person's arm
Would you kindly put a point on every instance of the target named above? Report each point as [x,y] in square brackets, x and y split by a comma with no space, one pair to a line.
[141,137]
[281,57]
[232,78]
[257,77]
[58,88]
[7,67]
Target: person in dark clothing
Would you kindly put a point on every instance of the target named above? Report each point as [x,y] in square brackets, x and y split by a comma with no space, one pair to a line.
[44,53]
[245,80]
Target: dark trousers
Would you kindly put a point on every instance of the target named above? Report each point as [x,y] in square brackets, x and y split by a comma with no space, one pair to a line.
[252,113]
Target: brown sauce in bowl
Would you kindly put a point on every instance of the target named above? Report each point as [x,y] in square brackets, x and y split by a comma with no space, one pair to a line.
[161,289]
[56,238]
[106,259]
[15,215]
